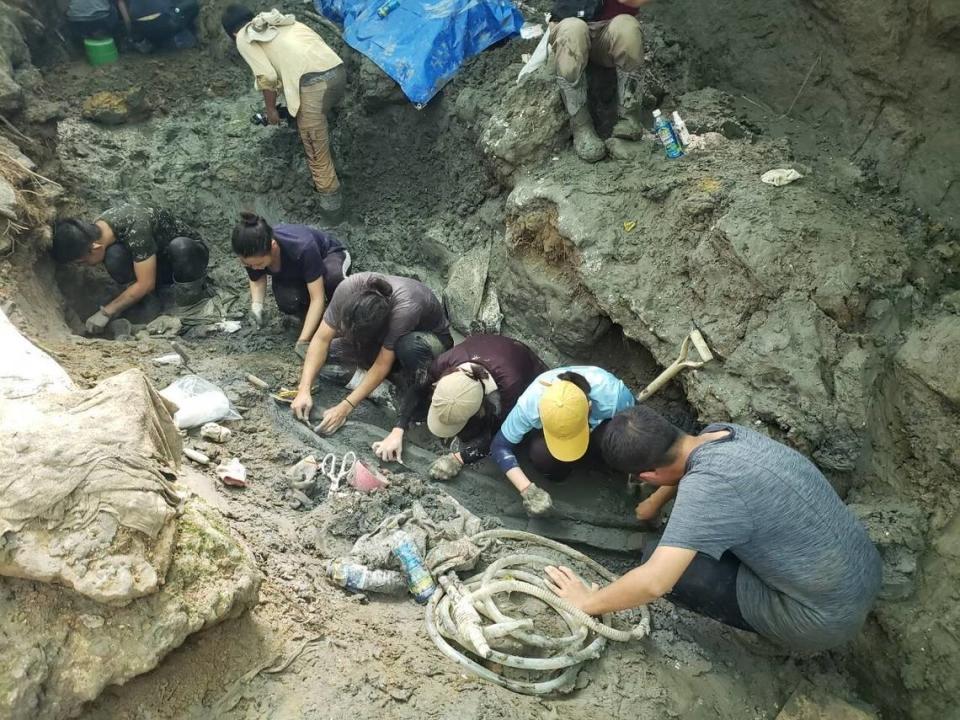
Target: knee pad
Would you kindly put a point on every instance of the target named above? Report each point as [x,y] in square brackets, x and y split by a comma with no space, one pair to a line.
[118,261]
[188,259]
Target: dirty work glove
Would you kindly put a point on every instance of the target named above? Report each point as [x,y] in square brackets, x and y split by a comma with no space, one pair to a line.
[445,467]
[97,322]
[301,349]
[536,501]
[256,314]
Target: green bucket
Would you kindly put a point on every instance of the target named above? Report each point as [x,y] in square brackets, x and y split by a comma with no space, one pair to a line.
[100,51]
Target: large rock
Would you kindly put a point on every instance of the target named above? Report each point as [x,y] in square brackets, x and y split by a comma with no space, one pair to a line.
[61,649]
[773,277]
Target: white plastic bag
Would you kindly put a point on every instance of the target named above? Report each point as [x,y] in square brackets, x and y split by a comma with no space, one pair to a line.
[538,58]
[780,177]
[198,401]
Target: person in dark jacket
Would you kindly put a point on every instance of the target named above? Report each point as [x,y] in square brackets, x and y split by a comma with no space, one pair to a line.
[156,23]
[305,267]
[466,392]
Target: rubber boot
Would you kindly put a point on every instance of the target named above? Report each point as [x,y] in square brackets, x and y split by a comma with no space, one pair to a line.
[586,142]
[331,205]
[629,98]
[189,293]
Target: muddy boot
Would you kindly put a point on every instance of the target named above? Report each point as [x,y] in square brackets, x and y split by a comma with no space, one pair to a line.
[629,97]
[588,145]
[331,205]
[189,293]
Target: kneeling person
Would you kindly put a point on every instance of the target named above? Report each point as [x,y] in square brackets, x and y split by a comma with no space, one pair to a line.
[566,412]
[469,390]
[141,248]
[305,266]
[757,539]
[386,325]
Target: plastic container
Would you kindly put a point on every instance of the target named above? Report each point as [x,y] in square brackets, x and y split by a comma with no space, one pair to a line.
[419,580]
[680,129]
[668,138]
[358,578]
[100,51]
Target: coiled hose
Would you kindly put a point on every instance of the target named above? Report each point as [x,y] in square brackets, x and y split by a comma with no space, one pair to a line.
[456,611]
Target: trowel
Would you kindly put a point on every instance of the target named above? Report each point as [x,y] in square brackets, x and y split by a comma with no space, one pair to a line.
[680,363]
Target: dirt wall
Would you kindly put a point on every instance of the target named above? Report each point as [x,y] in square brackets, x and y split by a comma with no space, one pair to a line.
[882,87]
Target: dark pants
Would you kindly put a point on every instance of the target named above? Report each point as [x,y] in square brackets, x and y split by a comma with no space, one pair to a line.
[184,260]
[557,470]
[104,26]
[293,298]
[708,587]
[174,18]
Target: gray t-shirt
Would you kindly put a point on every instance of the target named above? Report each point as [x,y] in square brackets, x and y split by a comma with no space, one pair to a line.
[89,9]
[809,572]
[414,307]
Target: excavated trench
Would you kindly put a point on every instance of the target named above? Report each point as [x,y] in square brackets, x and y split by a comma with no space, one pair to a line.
[827,305]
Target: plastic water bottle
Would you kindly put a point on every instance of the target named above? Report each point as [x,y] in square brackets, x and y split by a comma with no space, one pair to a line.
[419,580]
[664,131]
[357,578]
[388,7]
[680,129]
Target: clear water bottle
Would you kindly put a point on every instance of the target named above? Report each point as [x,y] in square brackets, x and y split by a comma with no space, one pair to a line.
[419,580]
[359,578]
[664,132]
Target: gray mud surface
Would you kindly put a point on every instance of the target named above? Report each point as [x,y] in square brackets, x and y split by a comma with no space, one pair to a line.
[830,305]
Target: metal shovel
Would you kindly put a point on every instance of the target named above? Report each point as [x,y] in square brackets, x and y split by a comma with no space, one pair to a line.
[680,363]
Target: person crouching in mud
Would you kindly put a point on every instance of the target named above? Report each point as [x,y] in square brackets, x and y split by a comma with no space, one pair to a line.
[305,266]
[757,539]
[469,390]
[567,411]
[287,56]
[142,248]
[384,324]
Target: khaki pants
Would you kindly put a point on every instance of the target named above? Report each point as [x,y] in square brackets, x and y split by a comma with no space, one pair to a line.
[616,43]
[317,96]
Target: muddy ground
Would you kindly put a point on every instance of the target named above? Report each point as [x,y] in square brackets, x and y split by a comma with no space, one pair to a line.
[420,193]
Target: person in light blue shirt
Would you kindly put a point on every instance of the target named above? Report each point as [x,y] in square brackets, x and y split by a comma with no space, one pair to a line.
[564,411]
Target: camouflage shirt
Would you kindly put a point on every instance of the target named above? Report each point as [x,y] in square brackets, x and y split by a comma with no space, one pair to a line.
[146,231]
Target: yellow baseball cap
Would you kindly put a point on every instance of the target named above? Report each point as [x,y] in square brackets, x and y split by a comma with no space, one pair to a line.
[565,412]
[456,399]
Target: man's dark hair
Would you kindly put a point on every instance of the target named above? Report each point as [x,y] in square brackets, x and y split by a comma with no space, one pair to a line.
[73,239]
[252,236]
[234,17]
[638,440]
[366,316]
[577,379]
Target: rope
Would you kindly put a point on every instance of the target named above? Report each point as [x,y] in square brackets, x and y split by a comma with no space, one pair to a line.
[456,614]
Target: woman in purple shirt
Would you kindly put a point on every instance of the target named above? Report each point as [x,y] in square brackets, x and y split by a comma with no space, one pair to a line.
[305,266]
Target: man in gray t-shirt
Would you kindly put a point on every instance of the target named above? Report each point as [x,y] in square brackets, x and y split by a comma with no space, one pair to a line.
[757,539]
[372,321]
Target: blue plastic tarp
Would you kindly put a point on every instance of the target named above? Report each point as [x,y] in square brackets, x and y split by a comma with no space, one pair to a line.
[422,44]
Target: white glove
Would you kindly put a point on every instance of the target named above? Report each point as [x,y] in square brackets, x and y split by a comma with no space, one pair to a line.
[97,322]
[256,314]
[445,467]
[536,501]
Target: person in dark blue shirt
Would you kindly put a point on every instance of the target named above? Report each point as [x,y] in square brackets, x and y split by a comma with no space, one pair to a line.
[305,264]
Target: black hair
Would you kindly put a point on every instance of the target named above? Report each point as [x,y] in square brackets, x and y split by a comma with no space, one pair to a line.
[577,379]
[638,440]
[73,239]
[366,315]
[252,236]
[234,17]
[474,372]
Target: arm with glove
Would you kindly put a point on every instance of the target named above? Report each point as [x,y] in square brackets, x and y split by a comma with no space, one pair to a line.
[258,293]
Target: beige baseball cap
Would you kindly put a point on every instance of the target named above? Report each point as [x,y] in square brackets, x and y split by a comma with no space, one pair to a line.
[456,399]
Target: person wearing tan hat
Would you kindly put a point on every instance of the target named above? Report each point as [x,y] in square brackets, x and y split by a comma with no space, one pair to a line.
[565,412]
[466,392]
